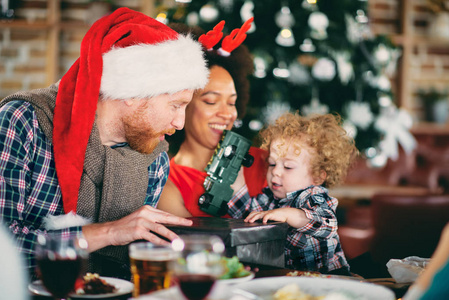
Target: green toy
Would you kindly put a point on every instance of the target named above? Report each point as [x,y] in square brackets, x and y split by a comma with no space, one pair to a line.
[222,170]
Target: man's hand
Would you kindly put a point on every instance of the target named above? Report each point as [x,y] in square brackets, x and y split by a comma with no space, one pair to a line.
[141,224]
[294,217]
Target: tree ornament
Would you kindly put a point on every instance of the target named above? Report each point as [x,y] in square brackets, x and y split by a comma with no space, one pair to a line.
[260,67]
[285,38]
[209,13]
[314,108]
[382,55]
[384,83]
[309,5]
[299,75]
[238,123]
[246,12]
[350,128]
[281,71]
[344,66]
[192,19]
[274,110]
[318,22]
[352,30]
[255,125]
[324,69]
[227,6]
[360,114]
[390,69]
[307,46]
[395,124]
[284,18]
[307,60]
[375,158]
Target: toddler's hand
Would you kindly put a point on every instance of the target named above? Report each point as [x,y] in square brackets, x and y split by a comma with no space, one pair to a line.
[293,216]
[274,215]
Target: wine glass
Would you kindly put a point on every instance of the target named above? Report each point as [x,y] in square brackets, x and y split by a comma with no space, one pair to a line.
[60,262]
[198,265]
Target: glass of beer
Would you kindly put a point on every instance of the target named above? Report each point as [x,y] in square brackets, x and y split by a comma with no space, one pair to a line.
[150,266]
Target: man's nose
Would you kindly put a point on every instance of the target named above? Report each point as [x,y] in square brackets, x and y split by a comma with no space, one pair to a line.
[179,120]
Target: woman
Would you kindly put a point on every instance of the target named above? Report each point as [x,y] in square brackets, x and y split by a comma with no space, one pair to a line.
[212,110]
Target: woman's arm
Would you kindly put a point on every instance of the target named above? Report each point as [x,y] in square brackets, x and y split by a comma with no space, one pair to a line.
[171,201]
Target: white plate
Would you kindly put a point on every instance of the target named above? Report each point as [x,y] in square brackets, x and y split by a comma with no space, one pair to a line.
[239,279]
[123,287]
[316,286]
[266,287]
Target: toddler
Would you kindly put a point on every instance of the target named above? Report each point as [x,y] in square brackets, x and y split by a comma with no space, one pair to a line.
[307,155]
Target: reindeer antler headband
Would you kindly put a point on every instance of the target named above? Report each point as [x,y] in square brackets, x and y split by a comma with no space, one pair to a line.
[230,42]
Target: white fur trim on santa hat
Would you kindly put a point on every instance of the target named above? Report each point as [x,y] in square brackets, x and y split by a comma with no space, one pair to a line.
[148,70]
[64,221]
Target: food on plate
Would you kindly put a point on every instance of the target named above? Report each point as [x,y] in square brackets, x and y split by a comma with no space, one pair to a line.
[307,274]
[92,284]
[293,292]
[234,268]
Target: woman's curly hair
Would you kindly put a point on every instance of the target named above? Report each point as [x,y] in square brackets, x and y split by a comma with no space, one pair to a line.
[239,65]
[333,150]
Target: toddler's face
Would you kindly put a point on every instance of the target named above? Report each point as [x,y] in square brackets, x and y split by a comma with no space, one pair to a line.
[288,171]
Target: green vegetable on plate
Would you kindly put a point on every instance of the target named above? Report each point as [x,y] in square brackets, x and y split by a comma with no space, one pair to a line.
[234,268]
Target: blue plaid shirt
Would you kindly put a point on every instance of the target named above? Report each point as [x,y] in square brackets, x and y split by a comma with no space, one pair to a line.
[29,189]
[313,247]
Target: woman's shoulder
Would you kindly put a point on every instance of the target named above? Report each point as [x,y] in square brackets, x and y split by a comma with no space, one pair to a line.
[181,173]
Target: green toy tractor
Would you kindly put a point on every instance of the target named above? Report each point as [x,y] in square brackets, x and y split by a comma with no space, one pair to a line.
[222,170]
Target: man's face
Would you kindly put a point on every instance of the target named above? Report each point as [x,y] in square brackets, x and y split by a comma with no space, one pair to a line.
[151,119]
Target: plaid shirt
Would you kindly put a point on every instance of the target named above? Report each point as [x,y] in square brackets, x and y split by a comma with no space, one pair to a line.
[29,189]
[316,245]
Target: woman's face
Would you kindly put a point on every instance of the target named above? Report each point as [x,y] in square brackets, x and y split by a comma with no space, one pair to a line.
[212,109]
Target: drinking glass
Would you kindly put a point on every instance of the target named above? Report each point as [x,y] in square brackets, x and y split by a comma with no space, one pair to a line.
[60,262]
[199,264]
[150,266]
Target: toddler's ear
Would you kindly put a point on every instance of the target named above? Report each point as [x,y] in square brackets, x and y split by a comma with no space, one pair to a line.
[321,179]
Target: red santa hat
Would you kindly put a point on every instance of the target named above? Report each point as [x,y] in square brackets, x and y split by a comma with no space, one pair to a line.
[123,55]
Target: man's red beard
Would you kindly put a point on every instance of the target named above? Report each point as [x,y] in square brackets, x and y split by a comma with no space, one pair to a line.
[140,136]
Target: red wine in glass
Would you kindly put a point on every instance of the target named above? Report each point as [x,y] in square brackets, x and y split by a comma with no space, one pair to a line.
[196,286]
[59,276]
[60,262]
[198,264]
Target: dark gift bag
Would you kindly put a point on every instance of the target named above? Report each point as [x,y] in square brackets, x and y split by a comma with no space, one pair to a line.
[254,243]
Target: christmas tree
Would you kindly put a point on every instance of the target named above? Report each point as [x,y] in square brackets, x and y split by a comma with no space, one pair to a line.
[314,56]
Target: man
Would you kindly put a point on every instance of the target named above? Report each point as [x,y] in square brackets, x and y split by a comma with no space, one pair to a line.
[83,156]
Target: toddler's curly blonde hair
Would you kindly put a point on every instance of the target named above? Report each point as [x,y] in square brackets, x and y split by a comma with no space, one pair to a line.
[331,148]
